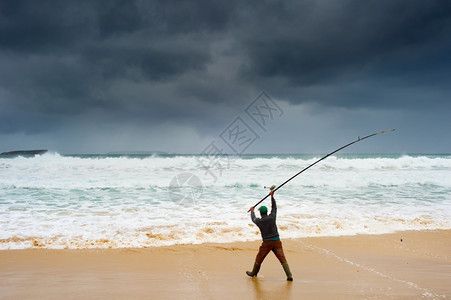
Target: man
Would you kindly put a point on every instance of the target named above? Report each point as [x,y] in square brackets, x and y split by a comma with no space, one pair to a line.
[270,236]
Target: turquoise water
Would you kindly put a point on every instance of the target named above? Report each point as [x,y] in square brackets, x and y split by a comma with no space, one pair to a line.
[99,201]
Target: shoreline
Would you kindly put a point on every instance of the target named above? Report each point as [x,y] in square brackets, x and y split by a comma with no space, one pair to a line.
[345,267]
[37,243]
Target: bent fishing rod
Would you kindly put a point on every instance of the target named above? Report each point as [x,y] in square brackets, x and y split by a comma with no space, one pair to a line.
[322,158]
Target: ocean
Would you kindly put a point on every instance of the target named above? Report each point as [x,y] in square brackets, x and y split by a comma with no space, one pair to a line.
[118,201]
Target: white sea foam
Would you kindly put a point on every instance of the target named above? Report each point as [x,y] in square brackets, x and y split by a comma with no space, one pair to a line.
[57,201]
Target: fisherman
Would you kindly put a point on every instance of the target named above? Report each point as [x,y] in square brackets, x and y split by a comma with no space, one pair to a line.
[270,236]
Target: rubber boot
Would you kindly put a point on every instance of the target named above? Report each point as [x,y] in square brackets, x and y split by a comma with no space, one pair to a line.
[286,268]
[254,270]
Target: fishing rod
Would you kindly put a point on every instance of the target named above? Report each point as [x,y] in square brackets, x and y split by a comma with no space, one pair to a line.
[322,158]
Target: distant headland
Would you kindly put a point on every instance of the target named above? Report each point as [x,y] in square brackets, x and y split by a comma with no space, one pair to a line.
[24,152]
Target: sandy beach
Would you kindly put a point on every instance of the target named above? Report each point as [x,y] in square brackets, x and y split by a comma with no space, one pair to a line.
[404,265]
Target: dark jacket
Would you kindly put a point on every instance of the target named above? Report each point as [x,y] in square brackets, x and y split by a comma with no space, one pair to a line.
[267,223]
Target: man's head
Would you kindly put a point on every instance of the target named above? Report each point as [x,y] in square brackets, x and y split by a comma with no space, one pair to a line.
[263,210]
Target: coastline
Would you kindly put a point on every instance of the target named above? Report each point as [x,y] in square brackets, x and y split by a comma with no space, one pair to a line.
[346,267]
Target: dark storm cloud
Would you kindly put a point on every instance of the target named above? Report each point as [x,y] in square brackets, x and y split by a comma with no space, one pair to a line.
[63,57]
[60,26]
[331,43]
[190,61]
[342,33]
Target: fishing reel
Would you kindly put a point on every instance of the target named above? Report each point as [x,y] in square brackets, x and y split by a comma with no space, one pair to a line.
[271,187]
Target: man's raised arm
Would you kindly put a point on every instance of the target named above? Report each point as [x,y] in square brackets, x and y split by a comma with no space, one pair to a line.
[252,214]
[273,204]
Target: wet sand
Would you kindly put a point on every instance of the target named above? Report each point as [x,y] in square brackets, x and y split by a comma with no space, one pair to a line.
[354,267]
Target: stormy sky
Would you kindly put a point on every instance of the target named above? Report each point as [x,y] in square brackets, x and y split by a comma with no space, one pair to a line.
[99,76]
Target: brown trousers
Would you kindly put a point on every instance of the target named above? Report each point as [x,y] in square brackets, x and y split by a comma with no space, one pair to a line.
[266,247]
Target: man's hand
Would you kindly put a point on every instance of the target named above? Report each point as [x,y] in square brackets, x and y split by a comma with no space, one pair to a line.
[251,209]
